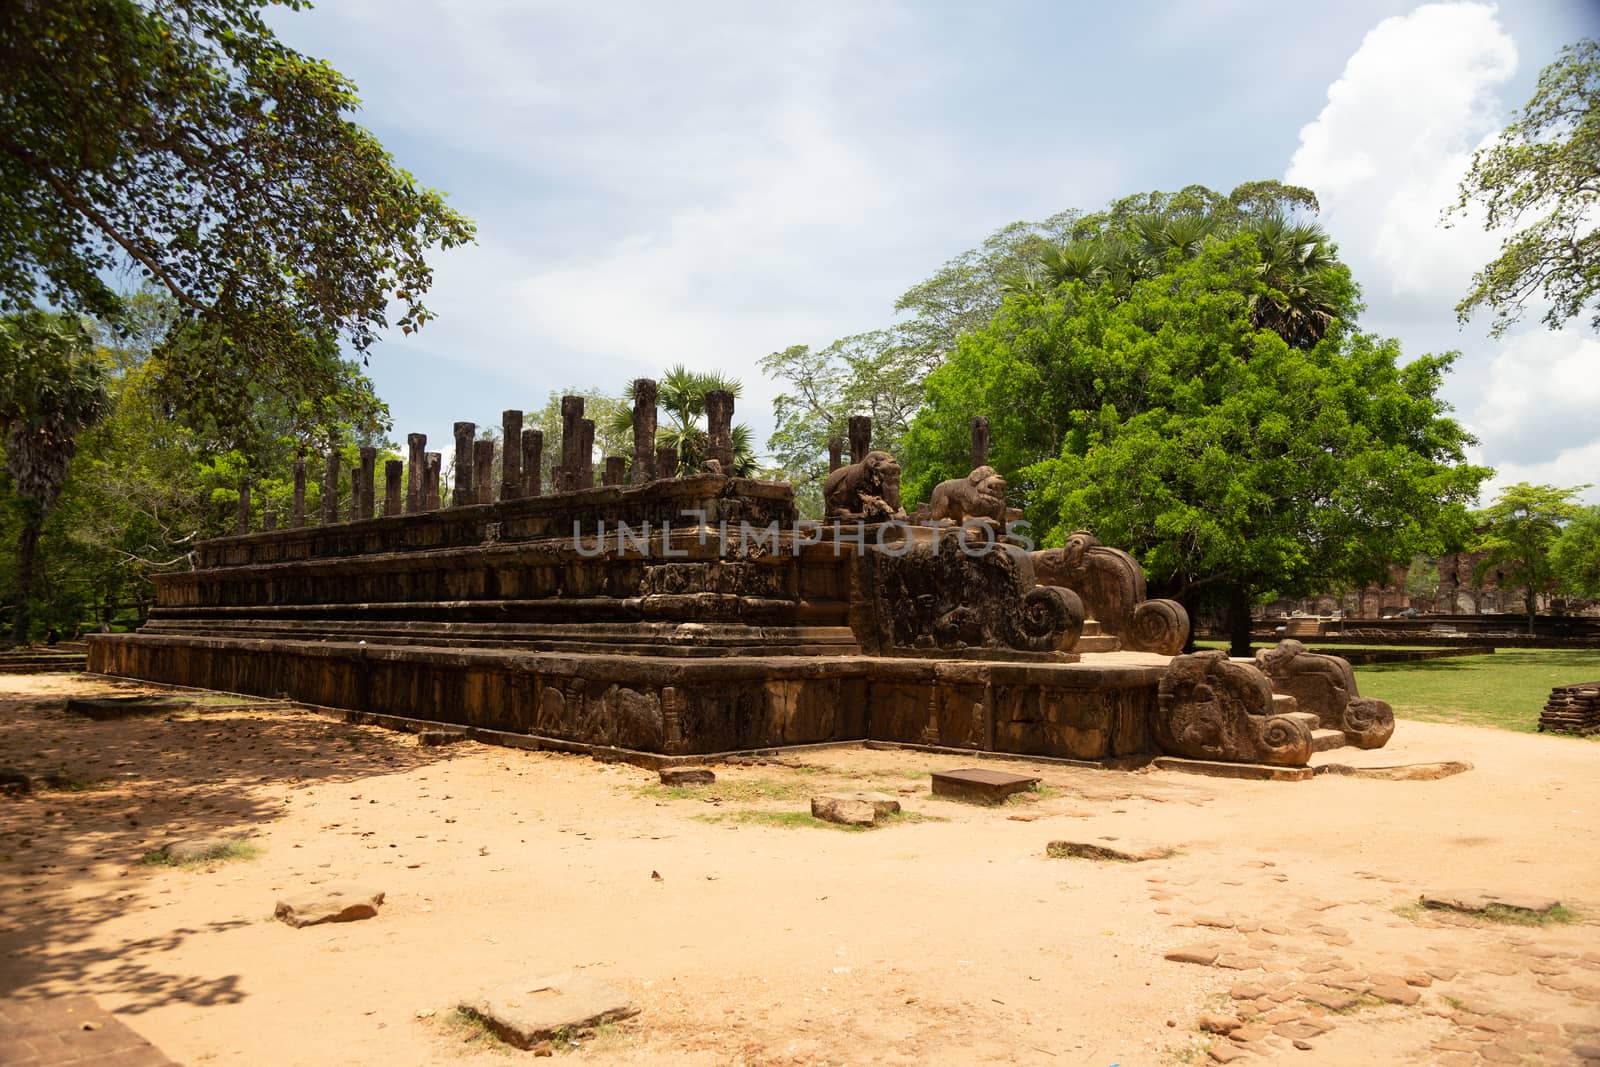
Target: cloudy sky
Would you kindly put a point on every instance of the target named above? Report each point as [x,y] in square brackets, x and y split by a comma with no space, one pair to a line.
[707,183]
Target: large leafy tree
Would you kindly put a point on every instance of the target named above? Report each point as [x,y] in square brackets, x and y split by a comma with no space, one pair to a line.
[1542,176]
[882,372]
[1518,532]
[1575,556]
[52,387]
[182,140]
[1234,460]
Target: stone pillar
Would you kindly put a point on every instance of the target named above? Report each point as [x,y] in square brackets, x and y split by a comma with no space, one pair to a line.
[416,444]
[571,438]
[532,461]
[483,471]
[297,517]
[369,475]
[719,428]
[585,470]
[980,441]
[860,437]
[394,474]
[432,467]
[466,432]
[666,461]
[644,431]
[510,455]
[269,519]
[835,451]
[243,525]
[355,494]
[330,490]
[615,472]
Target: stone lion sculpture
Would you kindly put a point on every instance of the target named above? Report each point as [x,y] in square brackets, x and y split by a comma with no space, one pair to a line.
[980,495]
[869,490]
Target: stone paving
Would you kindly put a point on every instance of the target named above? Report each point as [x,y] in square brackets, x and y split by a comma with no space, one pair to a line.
[70,1030]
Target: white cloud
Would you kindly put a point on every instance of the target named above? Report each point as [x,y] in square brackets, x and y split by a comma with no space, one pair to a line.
[1386,156]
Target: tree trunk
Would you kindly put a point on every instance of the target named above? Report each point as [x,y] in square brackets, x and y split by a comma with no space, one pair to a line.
[1533,608]
[27,552]
[1239,621]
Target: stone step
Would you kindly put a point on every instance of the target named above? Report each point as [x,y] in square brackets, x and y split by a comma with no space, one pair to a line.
[1324,740]
[1100,643]
[1091,628]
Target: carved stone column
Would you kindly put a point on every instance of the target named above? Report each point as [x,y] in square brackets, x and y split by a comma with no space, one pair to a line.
[860,437]
[432,467]
[585,455]
[532,461]
[511,455]
[243,524]
[369,475]
[297,517]
[980,441]
[568,476]
[616,468]
[719,429]
[330,490]
[666,461]
[644,431]
[394,473]
[466,432]
[835,453]
[483,471]
[416,445]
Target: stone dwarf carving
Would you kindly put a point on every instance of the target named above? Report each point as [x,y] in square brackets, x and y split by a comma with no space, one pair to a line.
[939,600]
[868,490]
[1325,686]
[980,495]
[1111,583]
[1215,709]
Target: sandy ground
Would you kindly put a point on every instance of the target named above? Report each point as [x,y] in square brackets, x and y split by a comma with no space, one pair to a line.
[952,940]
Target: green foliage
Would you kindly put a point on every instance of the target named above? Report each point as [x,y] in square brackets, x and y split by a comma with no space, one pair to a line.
[1422,578]
[182,139]
[1575,556]
[1518,531]
[1172,423]
[883,373]
[1542,175]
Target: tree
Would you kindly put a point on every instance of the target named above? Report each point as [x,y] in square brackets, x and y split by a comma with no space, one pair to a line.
[1575,556]
[1542,175]
[182,140]
[1518,531]
[1170,422]
[51,388]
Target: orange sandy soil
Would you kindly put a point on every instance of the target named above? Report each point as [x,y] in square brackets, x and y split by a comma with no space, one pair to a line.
[953,940]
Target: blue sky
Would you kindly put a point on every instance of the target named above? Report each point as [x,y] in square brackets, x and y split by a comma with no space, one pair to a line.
[708,183]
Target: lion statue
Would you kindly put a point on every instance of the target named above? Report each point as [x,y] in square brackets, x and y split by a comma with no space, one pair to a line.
[980,495]
[868,490]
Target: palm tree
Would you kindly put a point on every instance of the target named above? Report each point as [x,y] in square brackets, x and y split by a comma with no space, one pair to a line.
[681,396]
[52,388]
[1300,272]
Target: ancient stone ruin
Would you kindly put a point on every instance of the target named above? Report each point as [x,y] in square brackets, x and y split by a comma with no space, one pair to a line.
[692,615]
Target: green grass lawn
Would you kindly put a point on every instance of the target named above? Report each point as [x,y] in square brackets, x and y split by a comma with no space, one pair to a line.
[1507,689]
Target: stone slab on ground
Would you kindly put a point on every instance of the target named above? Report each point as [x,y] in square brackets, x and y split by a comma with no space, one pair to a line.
[335,905]
[1477,900]
[1100,850]
[1217,769]
[531,1012]
[853,809]
[687,776]
[103,708]
[981,784]
[1410,772]
[61,1031]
